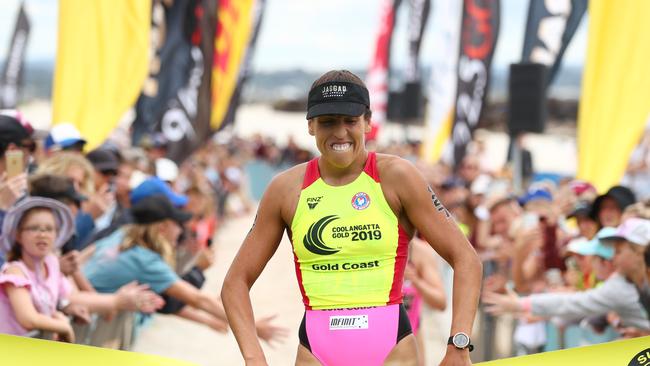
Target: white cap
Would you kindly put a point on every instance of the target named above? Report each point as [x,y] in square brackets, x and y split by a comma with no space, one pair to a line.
[137,177]
[166,169]
[63,135]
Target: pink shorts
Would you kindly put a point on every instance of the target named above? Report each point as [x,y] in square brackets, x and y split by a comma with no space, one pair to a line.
[354,336]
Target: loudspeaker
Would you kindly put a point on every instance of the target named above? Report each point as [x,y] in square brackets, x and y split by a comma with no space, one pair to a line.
[406,107]
[527,98]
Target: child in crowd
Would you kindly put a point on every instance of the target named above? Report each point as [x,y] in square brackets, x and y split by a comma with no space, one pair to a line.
[33,291]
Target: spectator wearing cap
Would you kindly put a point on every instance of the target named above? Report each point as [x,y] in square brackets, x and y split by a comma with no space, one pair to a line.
[602,255]
[147,255]
[608,208]
[114,234]
[619,293]
[579,273]
[538,242]
[64,137]
[155,146]
[587,224]
[166,170]
[154,185]
[106,163]
[595,258]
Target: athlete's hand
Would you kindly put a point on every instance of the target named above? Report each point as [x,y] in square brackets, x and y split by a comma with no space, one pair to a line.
[269,332]
[456,357]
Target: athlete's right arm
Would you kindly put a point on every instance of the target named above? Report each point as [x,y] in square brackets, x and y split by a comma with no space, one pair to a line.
[257,249]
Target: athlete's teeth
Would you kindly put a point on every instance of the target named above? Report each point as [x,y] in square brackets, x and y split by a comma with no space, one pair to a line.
[341,147]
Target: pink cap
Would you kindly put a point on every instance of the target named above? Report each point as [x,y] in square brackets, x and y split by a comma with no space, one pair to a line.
[634,230]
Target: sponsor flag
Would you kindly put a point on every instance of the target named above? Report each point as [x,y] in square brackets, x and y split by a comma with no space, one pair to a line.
[186,121]
[550,27]
[479,32]
[245,70]
[378,73]
[12,72]
[446,20]
[615,98]
[234,28]
[175,99]
[101,63]
[170,66]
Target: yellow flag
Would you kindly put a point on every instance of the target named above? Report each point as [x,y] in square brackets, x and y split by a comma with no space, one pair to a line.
[235,23]
[615,101]
[101,62]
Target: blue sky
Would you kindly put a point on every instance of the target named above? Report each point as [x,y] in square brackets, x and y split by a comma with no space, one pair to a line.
[308,34]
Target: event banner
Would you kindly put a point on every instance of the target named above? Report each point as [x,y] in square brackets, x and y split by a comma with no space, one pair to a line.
[234,28]
[550,27]
[245,71]
[186,120]
[445,31]
[629,352]
[11,76]
[479,32]
[101,62]
[615,97]
[174,62]
[29,351]
[379,71]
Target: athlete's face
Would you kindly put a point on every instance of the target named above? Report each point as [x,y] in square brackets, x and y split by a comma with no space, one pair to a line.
[340,139]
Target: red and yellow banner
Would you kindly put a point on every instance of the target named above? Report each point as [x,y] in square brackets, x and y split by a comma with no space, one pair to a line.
[234,28]
[101,63]
[615,100]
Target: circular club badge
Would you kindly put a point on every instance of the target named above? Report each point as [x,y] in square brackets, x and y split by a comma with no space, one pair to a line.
[361,201]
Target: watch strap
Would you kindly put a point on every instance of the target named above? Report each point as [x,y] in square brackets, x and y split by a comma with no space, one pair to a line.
[470,346]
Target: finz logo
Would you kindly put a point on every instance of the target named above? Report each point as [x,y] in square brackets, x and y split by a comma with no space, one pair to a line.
[361,201]
[313,240]
[313,201]
[330,91]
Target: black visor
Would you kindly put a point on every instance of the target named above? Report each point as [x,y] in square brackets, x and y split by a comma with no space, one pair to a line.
[336,97]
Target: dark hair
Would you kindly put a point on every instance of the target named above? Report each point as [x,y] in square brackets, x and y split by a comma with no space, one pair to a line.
[16,251]
[52,186]
[646,256]
[342,76]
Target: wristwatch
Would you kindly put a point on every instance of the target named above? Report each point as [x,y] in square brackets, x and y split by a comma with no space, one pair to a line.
[461,340]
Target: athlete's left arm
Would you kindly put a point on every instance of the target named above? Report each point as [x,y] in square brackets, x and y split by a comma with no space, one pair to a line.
[423,209]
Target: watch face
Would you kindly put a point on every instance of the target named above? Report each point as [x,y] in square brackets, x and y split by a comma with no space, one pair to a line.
[461,340]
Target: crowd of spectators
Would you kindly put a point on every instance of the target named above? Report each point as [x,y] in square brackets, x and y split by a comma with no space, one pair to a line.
[93,243]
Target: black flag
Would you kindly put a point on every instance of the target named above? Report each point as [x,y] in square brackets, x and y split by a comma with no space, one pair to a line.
[550,27]
[479,32]
[11,77]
